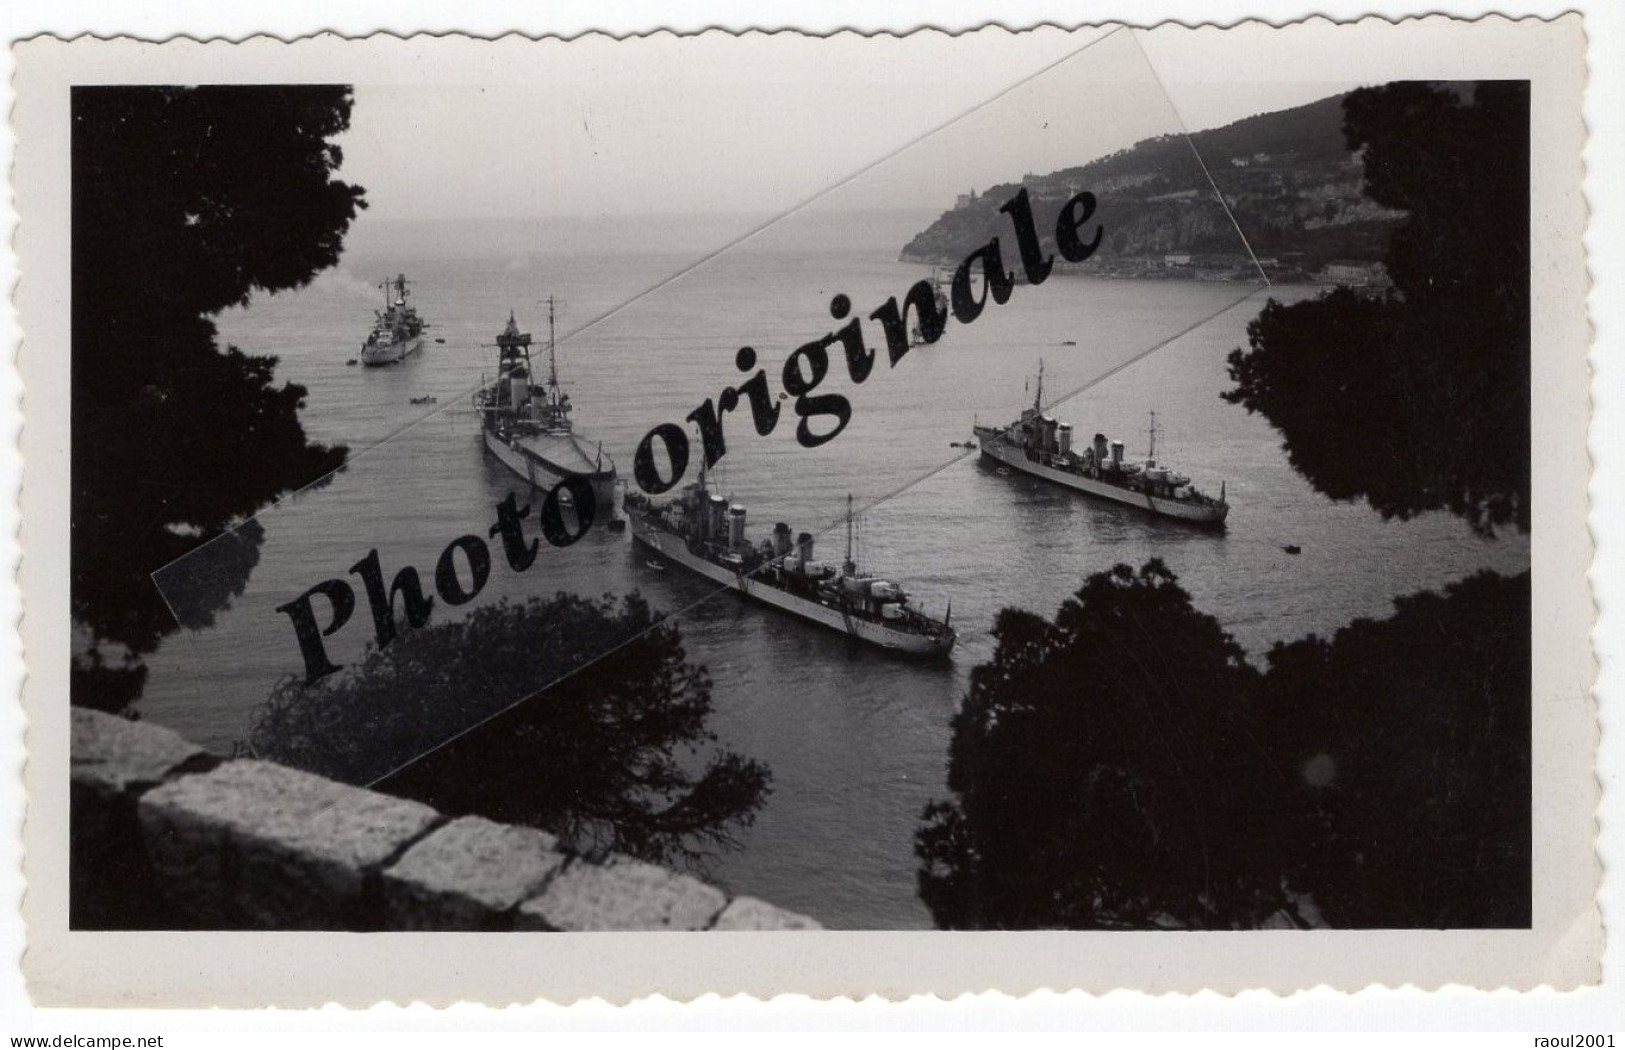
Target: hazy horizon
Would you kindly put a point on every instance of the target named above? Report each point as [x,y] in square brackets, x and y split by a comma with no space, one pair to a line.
[764,125]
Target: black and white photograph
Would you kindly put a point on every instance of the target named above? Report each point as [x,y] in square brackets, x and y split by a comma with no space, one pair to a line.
[1076,481]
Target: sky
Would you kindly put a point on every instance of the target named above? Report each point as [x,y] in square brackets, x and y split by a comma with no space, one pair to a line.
[766,123]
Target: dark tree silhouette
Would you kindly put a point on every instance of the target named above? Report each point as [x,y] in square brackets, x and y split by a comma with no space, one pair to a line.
[185,202]
[1107,774]
[1377,779]
[608,755]
[1412,738]
[1417,399]
[1123,768]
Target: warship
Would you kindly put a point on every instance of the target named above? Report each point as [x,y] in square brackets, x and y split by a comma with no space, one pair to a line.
[1039,445]
[941,279]
[701,532]
[527,425]
[397,329]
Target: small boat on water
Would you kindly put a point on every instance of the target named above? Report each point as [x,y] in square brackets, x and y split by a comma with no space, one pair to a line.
[527,426]
[1292,548]
[397,330]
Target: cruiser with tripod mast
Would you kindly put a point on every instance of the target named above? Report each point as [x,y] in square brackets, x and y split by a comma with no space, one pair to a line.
[527,425]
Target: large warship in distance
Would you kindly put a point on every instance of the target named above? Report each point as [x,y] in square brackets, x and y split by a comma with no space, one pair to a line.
[397,330]
[1038,445]
[527,426]
[705,535]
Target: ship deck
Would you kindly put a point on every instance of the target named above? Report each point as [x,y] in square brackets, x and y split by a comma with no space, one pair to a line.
[805,599]
[566,452]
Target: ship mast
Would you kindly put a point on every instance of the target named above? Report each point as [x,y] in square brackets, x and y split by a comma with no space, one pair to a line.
[552,360]
[851,567]
[702,489]
[1038,398]
[1152,454]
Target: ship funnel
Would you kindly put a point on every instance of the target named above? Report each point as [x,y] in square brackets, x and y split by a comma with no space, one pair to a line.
[781,540]
[1047,433]
[1065,437]
[736,526]
[718,511]
[1100,448]
[804,543]
[520,391]
[1117,453]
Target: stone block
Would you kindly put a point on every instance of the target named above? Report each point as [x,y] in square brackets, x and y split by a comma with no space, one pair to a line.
[468,875]
[111,762]
[622,894]
[263,846]
[748,913]
[112,757]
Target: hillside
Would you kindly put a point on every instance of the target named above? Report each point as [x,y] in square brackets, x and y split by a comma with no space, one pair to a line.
[1292,184]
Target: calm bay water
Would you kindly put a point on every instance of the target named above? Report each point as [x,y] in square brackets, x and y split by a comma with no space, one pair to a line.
[857,741]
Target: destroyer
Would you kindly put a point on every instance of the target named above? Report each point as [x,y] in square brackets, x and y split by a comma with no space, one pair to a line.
[397,330]
[702,533]
[1036,444]
[528,427]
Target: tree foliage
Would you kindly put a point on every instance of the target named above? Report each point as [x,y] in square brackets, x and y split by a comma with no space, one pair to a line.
[1417,399]
[609,754]
[1125,768]
[1412,734]
[185,202]
[1106,773]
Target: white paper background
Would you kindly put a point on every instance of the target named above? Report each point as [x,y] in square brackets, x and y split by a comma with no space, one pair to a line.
[1591,1010]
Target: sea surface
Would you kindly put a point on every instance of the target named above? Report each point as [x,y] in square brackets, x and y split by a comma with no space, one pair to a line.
[857,740]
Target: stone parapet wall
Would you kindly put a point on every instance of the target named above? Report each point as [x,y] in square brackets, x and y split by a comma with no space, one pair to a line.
[167,836]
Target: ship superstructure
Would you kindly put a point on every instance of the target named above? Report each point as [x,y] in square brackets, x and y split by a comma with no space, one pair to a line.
[703,533]
[527,424]
[1039,445]
[397,329]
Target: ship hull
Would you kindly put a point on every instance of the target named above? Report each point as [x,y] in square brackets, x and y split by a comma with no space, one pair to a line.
[674,549]
[1202,514]
[394,353]
[543,472]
